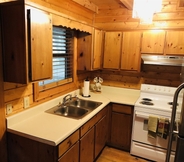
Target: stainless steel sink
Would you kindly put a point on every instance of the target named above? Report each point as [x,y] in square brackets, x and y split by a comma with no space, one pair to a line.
[75,108]
[71,111]
[87,104]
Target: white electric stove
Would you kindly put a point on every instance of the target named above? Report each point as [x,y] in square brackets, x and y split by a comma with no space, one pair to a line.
[153,101]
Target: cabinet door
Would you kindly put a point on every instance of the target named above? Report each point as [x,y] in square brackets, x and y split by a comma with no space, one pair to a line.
[112,50]
[121,130]
[153,42]
[100,135]
[121,126]
[97,49]
[14,43]
[72,155]
[87,146]
[40,44]
[131,59]
[84,50]
[174,42]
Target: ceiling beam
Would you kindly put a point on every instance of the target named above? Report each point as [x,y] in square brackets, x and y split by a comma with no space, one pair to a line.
[87,4]
[128,4]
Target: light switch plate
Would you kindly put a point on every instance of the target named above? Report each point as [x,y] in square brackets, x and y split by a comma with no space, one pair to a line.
[8,109]
[26,102]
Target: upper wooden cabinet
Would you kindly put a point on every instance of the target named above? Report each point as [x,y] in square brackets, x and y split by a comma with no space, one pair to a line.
[89,50]
[27,43]
[153,42]
[97,49]
[112,50]
[174,43]
[131,59]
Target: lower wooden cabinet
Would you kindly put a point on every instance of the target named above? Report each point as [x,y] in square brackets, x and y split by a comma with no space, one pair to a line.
[87,146]
[121,126]
[84,145]
[72,155]
[94,133]
[101,135]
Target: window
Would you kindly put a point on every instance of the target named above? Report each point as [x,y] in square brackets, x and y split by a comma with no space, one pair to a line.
[62,48]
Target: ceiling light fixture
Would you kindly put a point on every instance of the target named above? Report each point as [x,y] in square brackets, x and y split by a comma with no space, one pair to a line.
[145,9]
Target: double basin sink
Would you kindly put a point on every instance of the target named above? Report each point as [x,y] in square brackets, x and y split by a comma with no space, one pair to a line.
[75,108]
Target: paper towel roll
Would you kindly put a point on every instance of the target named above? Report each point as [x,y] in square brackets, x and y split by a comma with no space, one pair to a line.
[86,88]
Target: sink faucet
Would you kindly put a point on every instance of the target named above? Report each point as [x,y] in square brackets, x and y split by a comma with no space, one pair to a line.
[65,100]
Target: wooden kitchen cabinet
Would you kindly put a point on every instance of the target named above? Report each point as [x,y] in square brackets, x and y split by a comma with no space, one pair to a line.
[85,143]
[72,155]
[94,135]
[174,43]
[112,50]
[153,42]
[101,135]
[131,57]
[89,50]
[92,143]
[22,149]
[121,126]
[87,146]
[27,43]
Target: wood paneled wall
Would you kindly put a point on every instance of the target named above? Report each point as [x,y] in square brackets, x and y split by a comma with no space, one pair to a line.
[150,74]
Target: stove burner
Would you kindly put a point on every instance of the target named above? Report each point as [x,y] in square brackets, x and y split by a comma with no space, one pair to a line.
[171,103]
[146,103]
[146,99]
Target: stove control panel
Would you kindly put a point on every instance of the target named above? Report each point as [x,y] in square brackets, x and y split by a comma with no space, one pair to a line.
[158,89]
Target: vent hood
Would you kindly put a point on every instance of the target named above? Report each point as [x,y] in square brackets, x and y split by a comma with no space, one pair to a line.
[162,60]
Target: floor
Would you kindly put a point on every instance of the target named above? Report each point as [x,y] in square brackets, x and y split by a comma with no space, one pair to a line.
[114,155]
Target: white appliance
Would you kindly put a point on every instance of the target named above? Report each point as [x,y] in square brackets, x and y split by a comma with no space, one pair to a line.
[153,101]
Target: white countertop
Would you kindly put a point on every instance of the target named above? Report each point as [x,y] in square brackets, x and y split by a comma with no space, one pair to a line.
[36,124]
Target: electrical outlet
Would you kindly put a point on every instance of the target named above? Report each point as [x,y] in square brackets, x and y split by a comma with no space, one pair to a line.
[26,102]
[8,109]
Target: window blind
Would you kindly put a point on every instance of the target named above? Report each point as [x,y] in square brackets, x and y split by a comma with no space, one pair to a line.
[62,48]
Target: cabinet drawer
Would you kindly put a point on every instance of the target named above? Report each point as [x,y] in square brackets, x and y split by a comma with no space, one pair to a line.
[126,109]
[67,143]
[92,121]
[72,155]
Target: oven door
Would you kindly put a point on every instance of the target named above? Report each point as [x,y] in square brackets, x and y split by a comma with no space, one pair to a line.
[144,146]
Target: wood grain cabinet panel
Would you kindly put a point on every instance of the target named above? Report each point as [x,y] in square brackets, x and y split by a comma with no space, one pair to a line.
[153,42]
[174,43]
[131,44]
[89,50]
[101,135]
[94,135]
[40,42]
[67,143]
[27,45]
[87,146]
[121,126]
[112,50]
[72,155]
[97,49]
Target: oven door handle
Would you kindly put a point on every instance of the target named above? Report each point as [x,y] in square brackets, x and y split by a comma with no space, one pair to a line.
[142,115]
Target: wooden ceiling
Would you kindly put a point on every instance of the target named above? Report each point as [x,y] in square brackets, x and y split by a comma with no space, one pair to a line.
[117,15]
[128,4]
